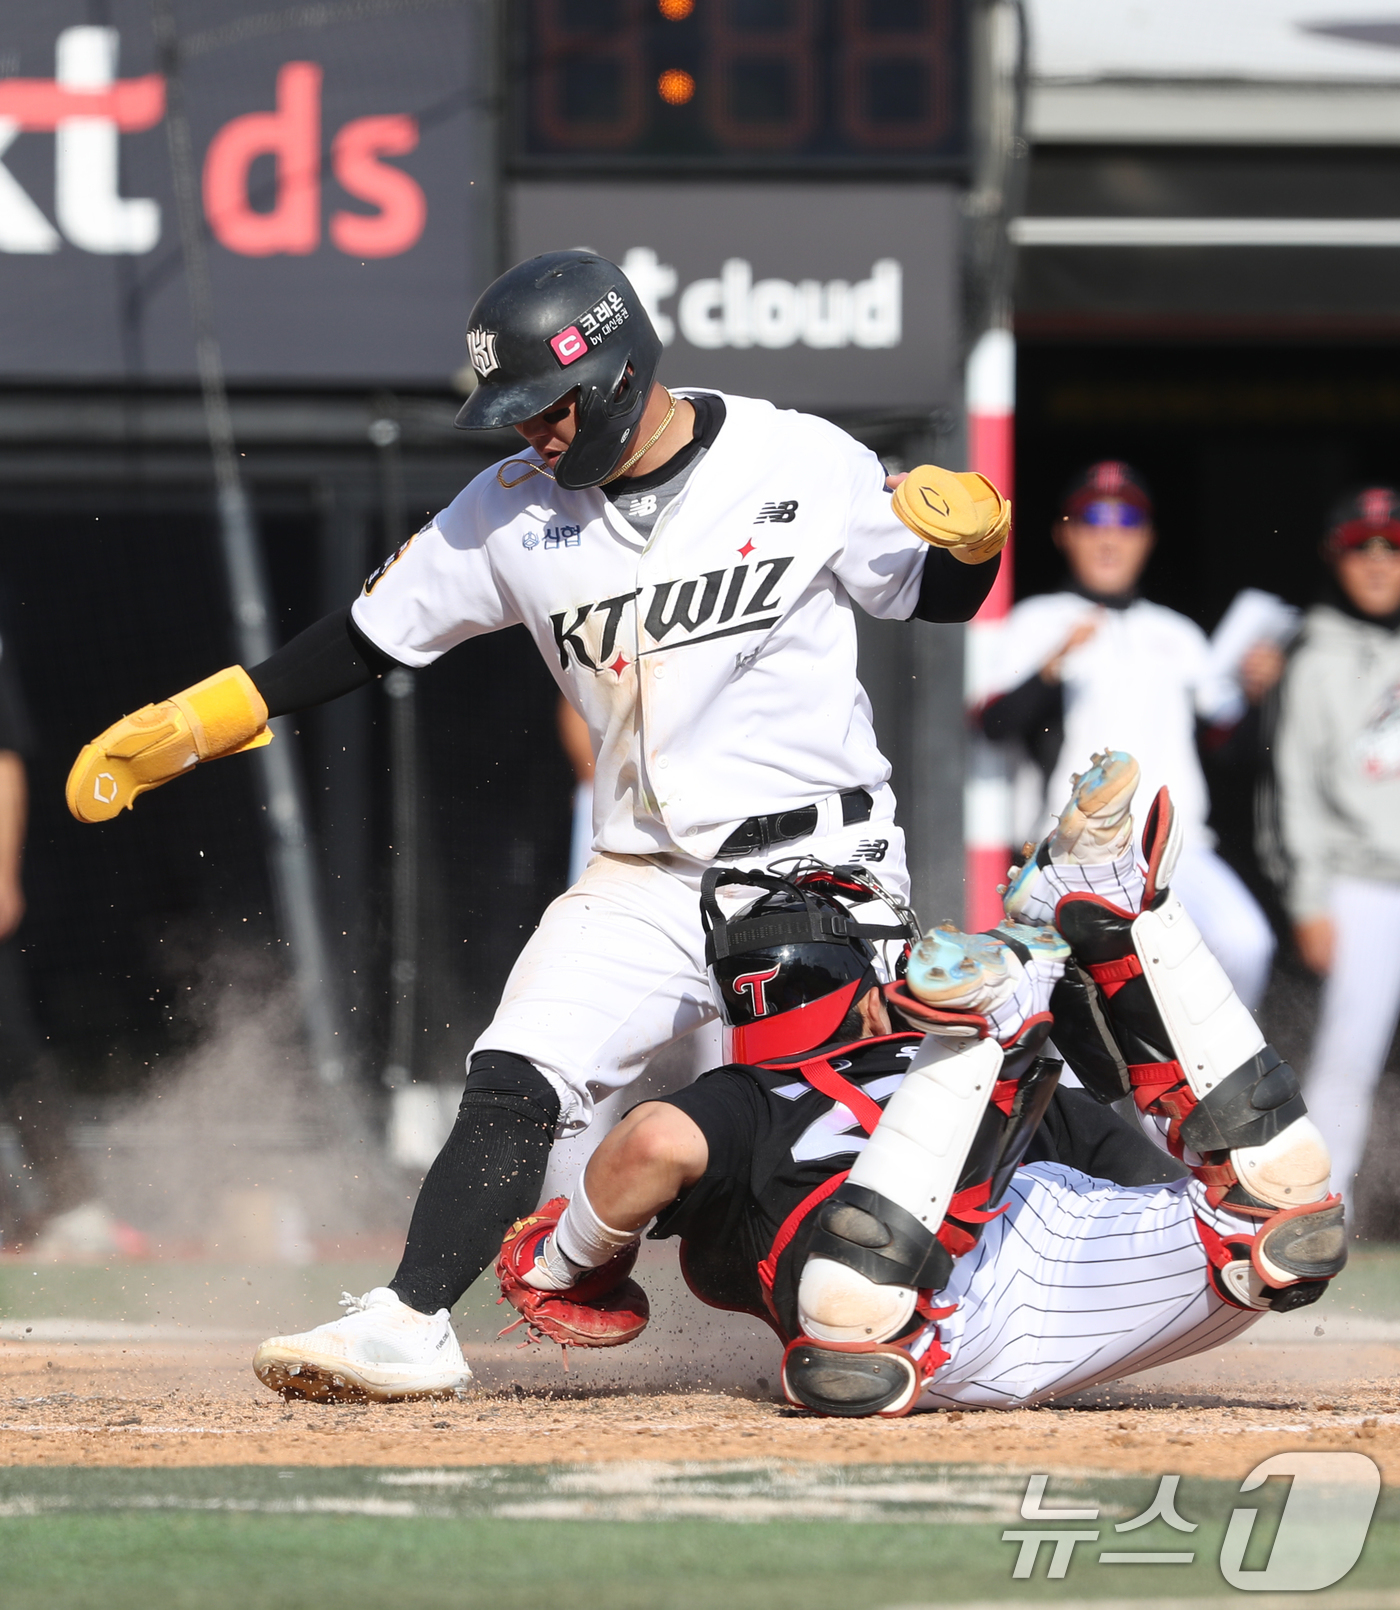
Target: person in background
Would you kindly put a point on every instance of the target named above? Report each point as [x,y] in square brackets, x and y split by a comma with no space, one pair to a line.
[54,1211]
[1337,755]
[1096,665]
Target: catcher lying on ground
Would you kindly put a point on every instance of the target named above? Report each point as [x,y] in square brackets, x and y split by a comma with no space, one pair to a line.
[916,1212]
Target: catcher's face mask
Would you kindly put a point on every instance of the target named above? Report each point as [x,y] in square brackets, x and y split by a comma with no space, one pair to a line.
[788,969]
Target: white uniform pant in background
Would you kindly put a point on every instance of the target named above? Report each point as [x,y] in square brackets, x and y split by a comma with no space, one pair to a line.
[615,972]
[1360,1004]
[1230,920]
[1078,1282]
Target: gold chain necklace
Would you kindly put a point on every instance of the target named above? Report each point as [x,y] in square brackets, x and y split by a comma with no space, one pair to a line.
[647,445]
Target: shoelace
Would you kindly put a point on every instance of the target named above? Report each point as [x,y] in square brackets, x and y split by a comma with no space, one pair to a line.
[354,1305]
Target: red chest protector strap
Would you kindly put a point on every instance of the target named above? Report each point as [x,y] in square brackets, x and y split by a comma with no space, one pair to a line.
[822,1076]
[768,1269]
[819,1073]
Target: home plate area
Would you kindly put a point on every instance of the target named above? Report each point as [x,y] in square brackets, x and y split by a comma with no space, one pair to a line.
[141,1463]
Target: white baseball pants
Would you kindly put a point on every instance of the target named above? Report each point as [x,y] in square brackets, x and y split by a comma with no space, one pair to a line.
[1360,1005]
[1078,1282]
[1234,928]
[615,972]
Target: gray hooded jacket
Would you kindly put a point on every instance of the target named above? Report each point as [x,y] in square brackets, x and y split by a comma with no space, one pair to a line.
[1337,757]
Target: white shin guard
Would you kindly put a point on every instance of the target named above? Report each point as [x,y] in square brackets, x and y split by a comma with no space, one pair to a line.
[1247,1100]
[896,1197]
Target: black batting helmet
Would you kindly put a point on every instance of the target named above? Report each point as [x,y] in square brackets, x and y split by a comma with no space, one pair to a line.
[558,321]
[788,970]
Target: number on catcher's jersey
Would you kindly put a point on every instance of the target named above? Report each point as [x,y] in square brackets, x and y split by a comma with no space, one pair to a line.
[837,1133]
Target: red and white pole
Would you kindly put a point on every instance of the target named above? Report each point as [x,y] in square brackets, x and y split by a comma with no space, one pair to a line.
[987,797]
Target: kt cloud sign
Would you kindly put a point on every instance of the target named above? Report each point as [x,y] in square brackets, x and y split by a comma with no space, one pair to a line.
[829,296]
[337,153]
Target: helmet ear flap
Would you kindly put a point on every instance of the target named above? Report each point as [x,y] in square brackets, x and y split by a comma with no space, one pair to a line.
[599,444]
[623,390]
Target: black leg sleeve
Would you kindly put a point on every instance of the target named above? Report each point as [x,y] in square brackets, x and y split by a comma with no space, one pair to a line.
[487,1175]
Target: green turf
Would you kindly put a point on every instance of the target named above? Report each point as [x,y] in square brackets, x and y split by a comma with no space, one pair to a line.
[1370,1284]
[267,1299]
[911,1535]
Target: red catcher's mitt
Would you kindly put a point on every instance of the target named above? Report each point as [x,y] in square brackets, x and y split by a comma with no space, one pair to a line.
[602,1309]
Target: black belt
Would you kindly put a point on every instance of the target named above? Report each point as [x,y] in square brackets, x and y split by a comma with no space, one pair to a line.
[761,833]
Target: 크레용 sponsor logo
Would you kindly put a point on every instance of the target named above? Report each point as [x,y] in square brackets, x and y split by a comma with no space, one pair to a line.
[568,346]
[608,313]
[481,349]
[783,513]
[672,614]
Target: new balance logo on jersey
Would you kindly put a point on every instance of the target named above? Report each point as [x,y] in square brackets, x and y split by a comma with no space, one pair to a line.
[751,984]
[777,513]
[742,598]
[640,508]
[871,850]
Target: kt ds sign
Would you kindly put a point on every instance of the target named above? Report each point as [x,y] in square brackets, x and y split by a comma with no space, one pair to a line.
[336,155]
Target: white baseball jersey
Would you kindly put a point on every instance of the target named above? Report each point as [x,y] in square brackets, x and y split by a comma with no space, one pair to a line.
[1137,684]
[715,661]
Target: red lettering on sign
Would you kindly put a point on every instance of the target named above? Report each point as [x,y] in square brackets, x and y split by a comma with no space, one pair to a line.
[40,104]
[292,136]
[403,208]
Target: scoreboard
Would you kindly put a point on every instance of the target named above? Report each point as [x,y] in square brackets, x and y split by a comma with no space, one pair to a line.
[733,87]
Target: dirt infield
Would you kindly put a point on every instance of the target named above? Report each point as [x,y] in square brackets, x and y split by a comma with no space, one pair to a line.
[155,1405]
[133,1386]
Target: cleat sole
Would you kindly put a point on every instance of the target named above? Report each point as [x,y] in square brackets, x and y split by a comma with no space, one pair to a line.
[324,1381]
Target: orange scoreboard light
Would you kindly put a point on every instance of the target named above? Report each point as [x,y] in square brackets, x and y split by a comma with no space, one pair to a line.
[734,86]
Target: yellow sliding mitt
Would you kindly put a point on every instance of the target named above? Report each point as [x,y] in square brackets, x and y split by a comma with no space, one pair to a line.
[220,716]
[962,512]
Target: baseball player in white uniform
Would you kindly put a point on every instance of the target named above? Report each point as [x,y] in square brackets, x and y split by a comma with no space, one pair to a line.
[1095,663]
[687,564]
[879,1195]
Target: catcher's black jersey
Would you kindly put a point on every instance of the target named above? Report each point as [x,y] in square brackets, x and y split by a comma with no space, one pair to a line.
[773,1140]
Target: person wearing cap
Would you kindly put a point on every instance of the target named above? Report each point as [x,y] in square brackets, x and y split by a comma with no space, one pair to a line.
[688,564]
[1097,665]
[1337,757]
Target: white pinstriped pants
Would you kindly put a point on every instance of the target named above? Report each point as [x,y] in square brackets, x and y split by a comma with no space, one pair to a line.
[1078,1282]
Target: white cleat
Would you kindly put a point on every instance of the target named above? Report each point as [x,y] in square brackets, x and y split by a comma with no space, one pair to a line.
[1090,851]
[381,1349]
[983,974]
[1095,826]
